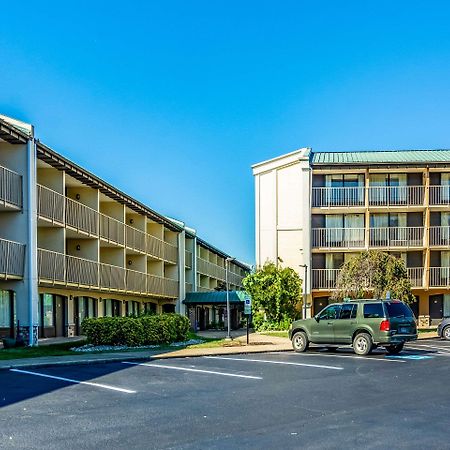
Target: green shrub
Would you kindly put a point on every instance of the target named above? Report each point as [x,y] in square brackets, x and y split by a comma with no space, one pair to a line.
[261,324]
[134,331]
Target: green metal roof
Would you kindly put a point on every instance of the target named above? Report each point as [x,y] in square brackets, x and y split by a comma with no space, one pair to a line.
[213,298]
[382,157]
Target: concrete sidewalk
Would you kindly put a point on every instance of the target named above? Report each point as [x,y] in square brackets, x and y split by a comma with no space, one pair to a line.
[259,343]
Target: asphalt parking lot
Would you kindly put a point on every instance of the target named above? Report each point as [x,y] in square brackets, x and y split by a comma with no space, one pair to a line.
[316,400]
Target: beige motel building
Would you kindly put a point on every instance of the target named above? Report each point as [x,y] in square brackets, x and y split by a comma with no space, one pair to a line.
[73,246]
[314,210]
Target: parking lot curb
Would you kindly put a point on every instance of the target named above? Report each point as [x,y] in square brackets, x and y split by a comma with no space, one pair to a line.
[16,364]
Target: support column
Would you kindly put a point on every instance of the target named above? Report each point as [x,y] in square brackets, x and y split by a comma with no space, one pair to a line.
[31,247]
[180,308]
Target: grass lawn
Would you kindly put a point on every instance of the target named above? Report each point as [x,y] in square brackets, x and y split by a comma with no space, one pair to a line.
[275,333]
[43,350]
[64,349]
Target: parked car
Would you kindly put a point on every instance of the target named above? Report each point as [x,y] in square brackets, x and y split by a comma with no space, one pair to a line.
[365,324]
[443,329]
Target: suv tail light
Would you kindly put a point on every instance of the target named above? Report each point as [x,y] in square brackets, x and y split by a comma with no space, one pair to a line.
[385,325]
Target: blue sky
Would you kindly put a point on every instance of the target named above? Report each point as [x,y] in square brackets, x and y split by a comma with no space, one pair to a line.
[172,101]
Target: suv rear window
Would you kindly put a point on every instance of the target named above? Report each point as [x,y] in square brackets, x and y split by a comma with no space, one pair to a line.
[373,311]
[398,309]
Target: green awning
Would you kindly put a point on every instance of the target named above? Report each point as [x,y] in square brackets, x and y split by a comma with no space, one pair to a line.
[214,298]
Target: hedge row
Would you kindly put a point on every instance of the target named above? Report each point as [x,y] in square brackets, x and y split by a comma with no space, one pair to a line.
[133,331]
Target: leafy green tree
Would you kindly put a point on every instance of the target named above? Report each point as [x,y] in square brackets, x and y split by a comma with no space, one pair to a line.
[372,274]
[276,296]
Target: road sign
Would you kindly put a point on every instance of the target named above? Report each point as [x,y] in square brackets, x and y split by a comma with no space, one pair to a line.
[247,304]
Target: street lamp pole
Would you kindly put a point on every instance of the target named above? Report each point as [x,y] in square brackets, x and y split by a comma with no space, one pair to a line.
[305,287]
[227,261]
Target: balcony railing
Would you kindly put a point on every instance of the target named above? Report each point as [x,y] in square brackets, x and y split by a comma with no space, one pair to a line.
[112,230]
[327,278]
[440,277]
[50,204]
[170,252]
[440,235]
[10,188]
[338,237]
[81,217]
[439,195]
[135,239]
[396,195]
[57,268]
[57,208]
[210,269]
[415,274]
[396,237]
[204,289]
[324,278]
[337,196]
[155,246]
[12,259]
[188,258]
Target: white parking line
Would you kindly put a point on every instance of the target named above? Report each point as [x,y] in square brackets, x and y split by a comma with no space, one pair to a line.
[434,352]
[69,380]
[341,356]
[188,369]
[433,347]
[319,366]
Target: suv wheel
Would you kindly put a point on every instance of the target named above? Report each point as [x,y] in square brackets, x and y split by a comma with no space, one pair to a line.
[394,349]
[300,341]
[446,333]
[362,344]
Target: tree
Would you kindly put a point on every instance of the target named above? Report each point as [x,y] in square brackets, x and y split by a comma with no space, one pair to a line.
[373,274]
[276,295]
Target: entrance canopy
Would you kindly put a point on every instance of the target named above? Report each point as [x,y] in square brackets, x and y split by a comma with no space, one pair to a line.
[214,298]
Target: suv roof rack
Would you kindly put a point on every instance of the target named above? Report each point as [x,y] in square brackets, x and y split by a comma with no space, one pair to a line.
[348,300]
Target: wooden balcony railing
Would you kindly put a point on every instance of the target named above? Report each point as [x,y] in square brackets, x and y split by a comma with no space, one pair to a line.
[337,196]
[57,268]
[210,269]
[396,237]
[12,259]
[10,188]
[338,237]
[396,195]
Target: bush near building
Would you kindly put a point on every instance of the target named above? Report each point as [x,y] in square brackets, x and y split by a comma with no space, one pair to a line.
[134,331]
[276,296]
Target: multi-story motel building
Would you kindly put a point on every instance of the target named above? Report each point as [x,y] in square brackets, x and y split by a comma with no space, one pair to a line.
[317,209]
[72,246]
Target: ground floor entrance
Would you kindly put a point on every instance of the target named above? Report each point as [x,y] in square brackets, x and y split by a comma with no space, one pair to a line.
[52,315]
[7,313]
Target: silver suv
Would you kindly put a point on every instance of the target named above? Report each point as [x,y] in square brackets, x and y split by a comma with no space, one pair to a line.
[443,329]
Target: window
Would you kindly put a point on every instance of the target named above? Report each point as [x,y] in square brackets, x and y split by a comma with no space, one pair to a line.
[108,308]
[398,309]
[330,313]
[373,311]
[348,311]
[47,310]
[5,309]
